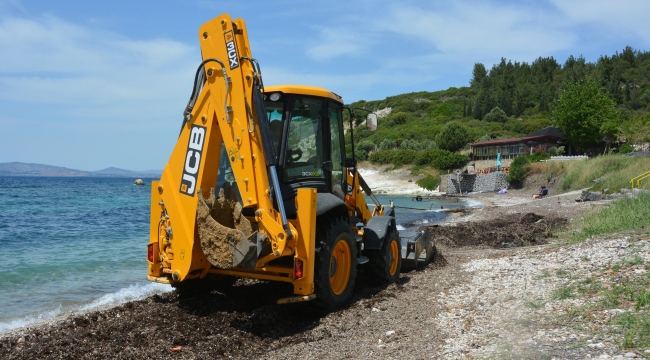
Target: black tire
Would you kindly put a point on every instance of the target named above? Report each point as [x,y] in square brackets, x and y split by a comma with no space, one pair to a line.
[331,232]
[221,283]
[382,261]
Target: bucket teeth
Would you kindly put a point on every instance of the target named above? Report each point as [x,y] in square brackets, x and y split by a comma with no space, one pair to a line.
[223,231]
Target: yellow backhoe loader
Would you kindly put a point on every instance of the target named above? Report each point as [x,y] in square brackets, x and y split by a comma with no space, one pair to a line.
[259,186]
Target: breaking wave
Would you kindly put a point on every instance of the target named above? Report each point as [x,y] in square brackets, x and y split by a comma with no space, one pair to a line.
[132,293]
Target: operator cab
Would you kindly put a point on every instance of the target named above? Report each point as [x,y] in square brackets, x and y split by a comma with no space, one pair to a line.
[306,124]
[307,127]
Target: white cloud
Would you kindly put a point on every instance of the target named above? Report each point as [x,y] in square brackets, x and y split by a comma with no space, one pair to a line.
[55,62]
[614,18]
[483,30]
[335,42]
[81,86]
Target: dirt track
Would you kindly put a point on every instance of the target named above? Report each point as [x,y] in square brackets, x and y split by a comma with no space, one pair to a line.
[245,322]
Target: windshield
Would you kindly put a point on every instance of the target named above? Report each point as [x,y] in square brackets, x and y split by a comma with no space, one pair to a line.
[305,139]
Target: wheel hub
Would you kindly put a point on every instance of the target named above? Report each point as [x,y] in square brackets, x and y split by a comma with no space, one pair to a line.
[332,266]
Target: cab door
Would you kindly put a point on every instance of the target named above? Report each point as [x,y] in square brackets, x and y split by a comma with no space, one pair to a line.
[337,176]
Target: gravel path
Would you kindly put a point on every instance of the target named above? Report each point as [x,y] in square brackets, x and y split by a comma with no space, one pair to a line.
[478,299]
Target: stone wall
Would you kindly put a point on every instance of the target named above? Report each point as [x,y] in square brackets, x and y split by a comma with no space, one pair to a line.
[476,183]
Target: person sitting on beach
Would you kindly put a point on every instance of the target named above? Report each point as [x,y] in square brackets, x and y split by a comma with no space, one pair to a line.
[541,193]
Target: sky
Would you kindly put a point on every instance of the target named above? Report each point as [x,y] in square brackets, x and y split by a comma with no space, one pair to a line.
[94,84]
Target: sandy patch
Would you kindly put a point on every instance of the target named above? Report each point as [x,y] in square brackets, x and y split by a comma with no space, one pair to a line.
[394,182]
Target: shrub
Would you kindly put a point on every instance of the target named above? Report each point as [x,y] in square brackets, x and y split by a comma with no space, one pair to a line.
[360,154]
[424,157]
[387,144]
[552,150]
[366,145]
[518,169]
[403,157]
[448,160]
[399,118]
[538,156]
[440,159]
[429,182]
[361,133]
[416,145]
[381,157]
[625,148]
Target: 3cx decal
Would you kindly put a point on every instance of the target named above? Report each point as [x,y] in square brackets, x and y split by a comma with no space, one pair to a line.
[192,160]
[233,58]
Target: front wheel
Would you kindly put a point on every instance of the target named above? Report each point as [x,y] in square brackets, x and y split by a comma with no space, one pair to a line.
[336,264]
[386,263]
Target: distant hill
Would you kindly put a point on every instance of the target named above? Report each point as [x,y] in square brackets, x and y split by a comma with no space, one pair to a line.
[113,171]
[23,169]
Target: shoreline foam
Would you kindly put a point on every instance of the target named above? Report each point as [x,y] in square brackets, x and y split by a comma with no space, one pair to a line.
[133,292]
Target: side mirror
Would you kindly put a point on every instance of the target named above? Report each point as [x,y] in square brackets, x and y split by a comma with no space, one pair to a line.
[371,122]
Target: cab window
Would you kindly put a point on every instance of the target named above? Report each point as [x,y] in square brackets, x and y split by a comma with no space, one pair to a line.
[304,151]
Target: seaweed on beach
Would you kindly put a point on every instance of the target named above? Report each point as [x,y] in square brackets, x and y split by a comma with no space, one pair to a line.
[507,231]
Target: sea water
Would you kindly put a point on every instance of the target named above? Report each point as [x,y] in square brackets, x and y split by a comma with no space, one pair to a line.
[410,213]
[70,245]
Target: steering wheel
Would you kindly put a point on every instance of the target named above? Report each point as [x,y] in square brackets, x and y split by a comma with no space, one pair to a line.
[294,154]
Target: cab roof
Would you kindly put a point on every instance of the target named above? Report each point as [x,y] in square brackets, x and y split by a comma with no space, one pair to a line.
[303,90]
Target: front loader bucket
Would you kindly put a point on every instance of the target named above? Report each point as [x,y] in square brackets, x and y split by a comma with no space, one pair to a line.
[417,250]
[227,237]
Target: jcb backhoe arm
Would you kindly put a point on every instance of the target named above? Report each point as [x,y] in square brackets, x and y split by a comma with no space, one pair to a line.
[226,107]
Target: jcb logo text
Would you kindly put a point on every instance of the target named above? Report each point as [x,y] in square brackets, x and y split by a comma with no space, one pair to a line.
[193,160]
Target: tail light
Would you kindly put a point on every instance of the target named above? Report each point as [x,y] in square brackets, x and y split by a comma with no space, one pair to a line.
[150,252]
[297,270]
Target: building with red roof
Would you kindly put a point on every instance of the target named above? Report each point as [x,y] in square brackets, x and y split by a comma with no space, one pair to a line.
[539,141]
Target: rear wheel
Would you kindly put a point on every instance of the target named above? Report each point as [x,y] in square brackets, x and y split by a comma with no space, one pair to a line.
[336,264]
[386,263]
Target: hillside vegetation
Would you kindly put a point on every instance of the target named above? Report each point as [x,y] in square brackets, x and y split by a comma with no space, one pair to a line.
[610,172]
[512,99]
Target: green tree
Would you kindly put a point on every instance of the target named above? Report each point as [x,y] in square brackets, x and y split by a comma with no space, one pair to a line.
[496,115]
[584,111]
[637,129]
[452,137]
[478,74]
[400,118]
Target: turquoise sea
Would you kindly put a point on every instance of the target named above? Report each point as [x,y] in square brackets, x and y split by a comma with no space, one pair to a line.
[76,244]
